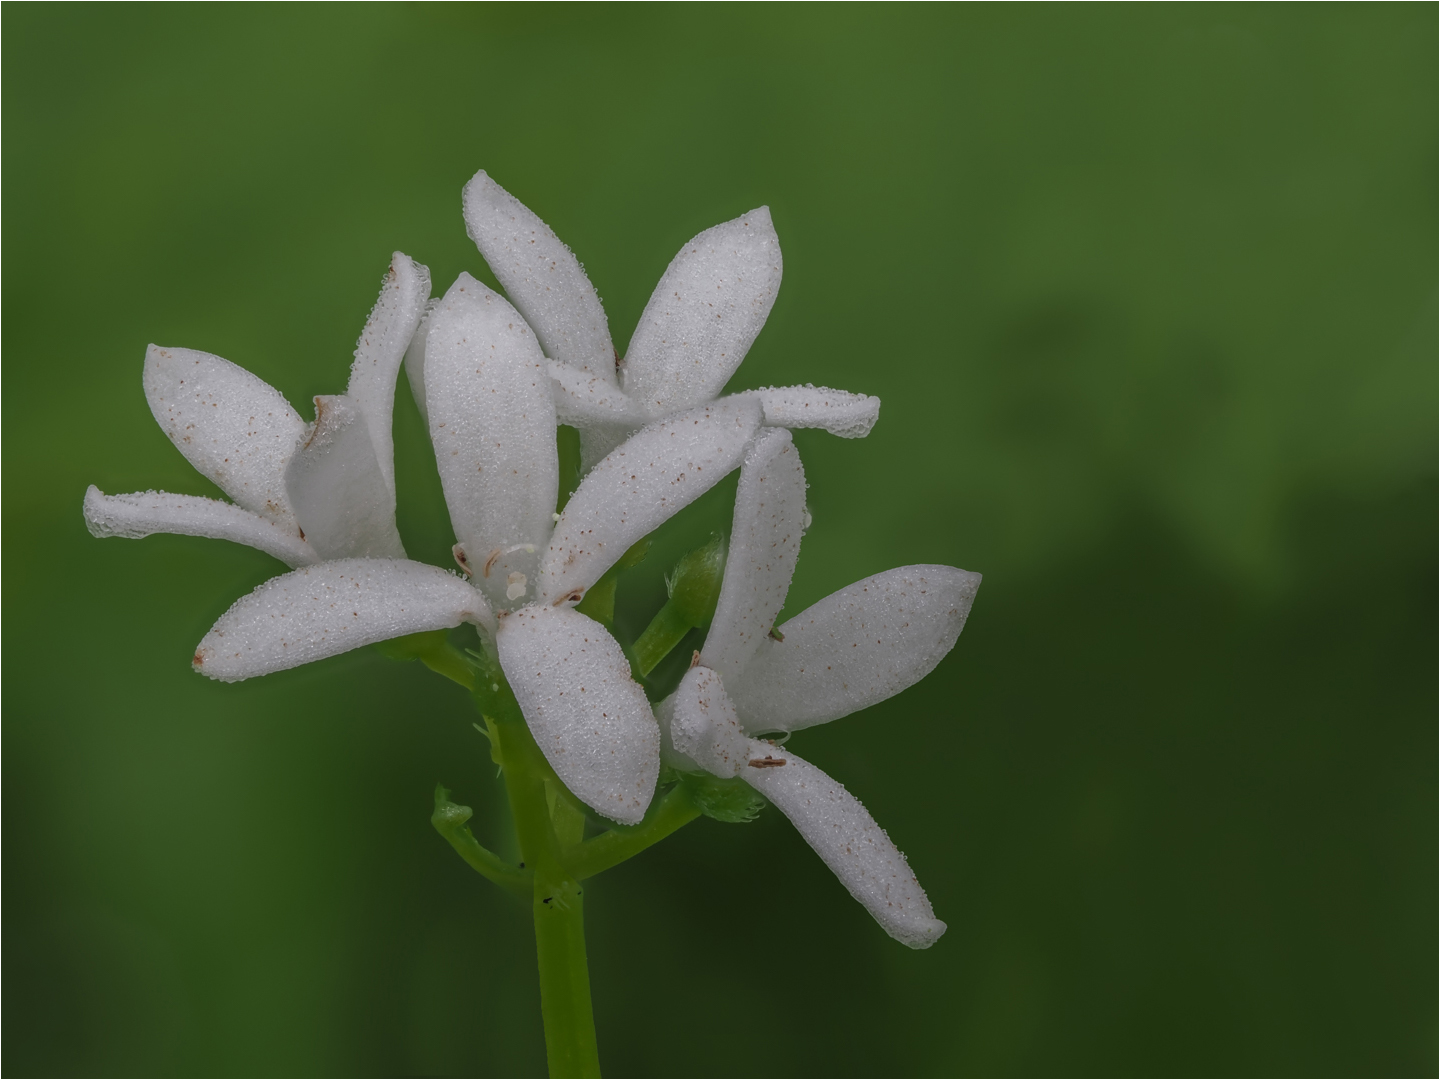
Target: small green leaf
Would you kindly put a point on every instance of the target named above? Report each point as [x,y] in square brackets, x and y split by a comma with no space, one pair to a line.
[732,801]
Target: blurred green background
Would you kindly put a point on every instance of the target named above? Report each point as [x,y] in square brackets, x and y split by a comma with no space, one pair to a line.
[1149,294]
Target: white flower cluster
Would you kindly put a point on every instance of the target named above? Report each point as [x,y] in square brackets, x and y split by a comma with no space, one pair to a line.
[493,377]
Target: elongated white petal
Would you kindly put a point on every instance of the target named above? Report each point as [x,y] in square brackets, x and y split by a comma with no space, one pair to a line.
[381,347]
[699,722]
[846,837]
[764,547]
[147,512]
[863,644]
[331,608]
[589,717]
[704,315]
[584,400]
[541,276]
[492,421]
[652,475]
[344,502]
[851,416]
[415,359]
[232,426]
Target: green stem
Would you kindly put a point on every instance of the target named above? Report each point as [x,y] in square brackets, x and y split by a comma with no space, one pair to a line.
[449,820]
[451,663]
[557,908]
[672,812]
[665,631]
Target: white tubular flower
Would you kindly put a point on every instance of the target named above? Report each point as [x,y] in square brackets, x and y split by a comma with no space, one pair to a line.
[705,313]
[856,647]
[492,419]
[301,493]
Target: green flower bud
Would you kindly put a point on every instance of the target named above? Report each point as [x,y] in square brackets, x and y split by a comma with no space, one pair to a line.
[694,584]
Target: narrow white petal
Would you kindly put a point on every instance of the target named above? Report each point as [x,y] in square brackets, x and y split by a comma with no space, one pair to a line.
[381,347]
[851,416]
[846,837]
[329,609]
[415,359]
[541,276]
[589,717]
[147,512]
[764,547]
[704,315]
[647,479]
[863,644]
[492,421]
[344,502]
[232,426]
[584,400]
[598,440]
[699,722]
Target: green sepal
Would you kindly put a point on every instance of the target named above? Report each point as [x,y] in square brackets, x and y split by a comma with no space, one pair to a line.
[413,646]
[729,800]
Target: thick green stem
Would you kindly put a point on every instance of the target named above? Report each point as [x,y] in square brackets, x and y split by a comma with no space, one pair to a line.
[674,811]
[557,906]
[559,914]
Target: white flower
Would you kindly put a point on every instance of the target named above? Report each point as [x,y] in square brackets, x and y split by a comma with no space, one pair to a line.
[856,647]
[705,313]
[492,420]
[302,493]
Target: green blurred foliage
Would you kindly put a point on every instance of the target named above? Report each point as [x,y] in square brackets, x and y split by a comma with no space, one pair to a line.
[1149,296]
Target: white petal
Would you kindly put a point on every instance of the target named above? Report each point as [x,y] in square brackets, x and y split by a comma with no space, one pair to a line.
[863,644]
[344,502]
[764,547]
[845,836]
[699,723]
[232,426]
[597,442]
[492,420]
[381,347]
[415,359]
[329,609]
[148,512]
[851,416]
[704,315]
[584,400]
[659,470]
[589,717]
[541,276]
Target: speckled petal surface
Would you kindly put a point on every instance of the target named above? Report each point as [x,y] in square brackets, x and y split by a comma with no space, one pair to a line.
[382,345]
[232,426]
[344,502]
[846,837]
[320,611]
[415,359]
[492,422]
[643,482]
[541,276]
[589,717]
[147,512]
[850,416]
[584,400]
[863,644]
[710,305]
[702,724]
[764,548]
